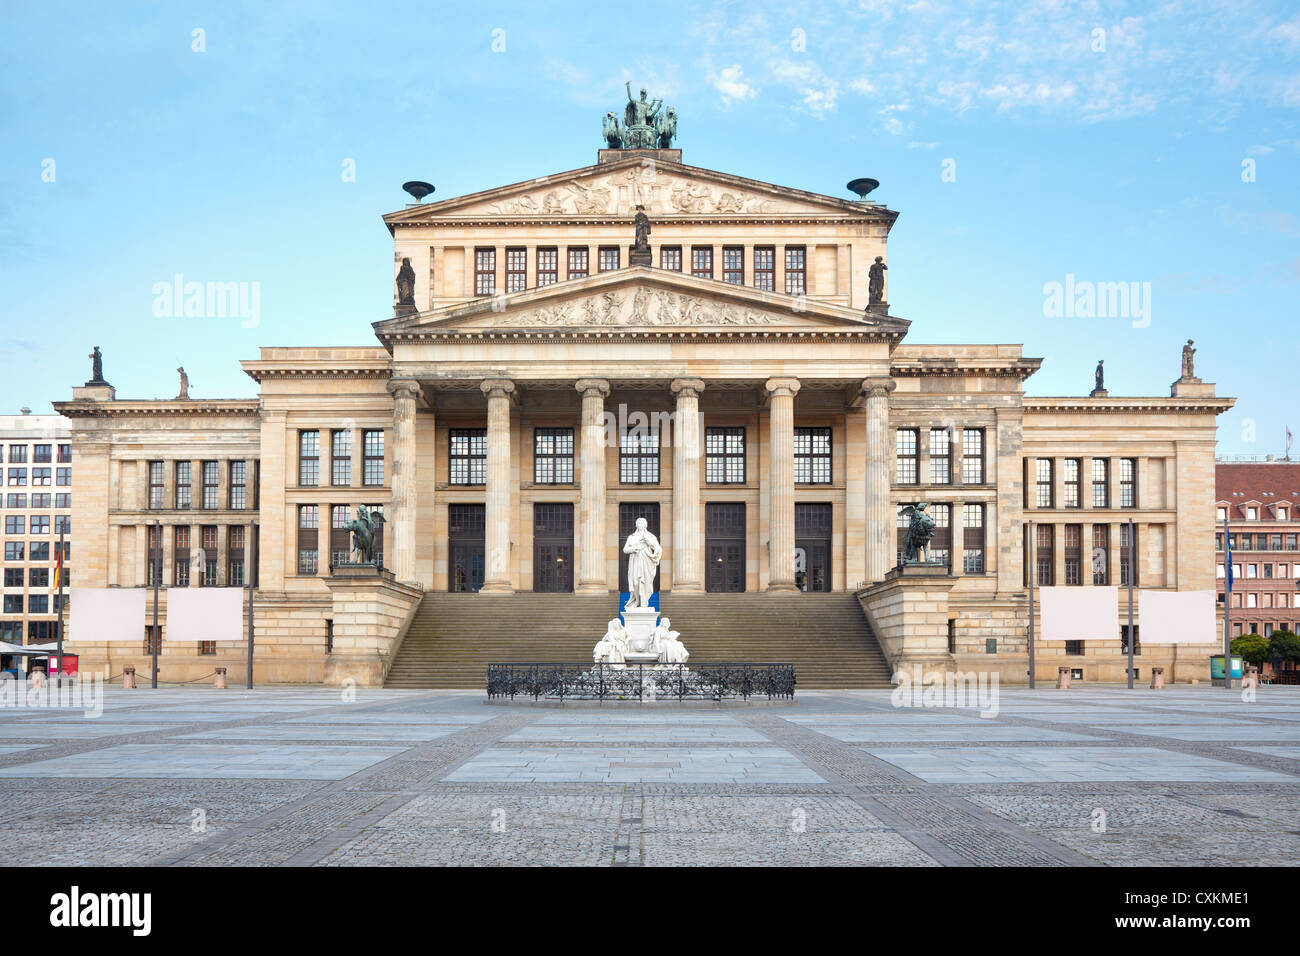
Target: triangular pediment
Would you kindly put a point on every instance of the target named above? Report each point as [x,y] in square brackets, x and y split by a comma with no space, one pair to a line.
[667,190]
[643,299]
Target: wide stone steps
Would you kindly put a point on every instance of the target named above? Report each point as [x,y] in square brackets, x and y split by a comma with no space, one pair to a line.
[453,637]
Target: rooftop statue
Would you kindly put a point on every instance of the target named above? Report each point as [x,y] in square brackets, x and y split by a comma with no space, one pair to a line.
[1189,367]
[646,124]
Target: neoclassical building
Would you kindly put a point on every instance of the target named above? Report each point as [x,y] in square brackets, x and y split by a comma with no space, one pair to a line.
[738,378]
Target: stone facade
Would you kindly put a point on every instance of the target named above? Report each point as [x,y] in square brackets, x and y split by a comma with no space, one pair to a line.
[1256,503]
[740,385]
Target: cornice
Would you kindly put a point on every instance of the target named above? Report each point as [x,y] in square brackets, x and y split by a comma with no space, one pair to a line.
[1121,404]
[122,408]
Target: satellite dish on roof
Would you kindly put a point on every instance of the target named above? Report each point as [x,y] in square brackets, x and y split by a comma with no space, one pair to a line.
[418,189]
[862,186]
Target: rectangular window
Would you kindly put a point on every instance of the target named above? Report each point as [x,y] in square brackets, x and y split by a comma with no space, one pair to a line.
[670,258]
[341,457]
[516,269]
[15,524]
[65,454]
[183,485]
[63,524]
[38,577]
[578,262]
[14,550]
[308,539]
[211,482]
[13,604]
[702,262]
[553,456]
[309,459]
[812,456]
[17,477]
[181,556]
[235,556]
[14,577]
[941,543]
[17,453]
[42,453]
[16,501]
[548,267]
[207,647]
[1043,483]
[468,456]
[733,265]
[608,258]
[1070,480]
[1073,555]
[209,565]
[638,457]
[972,525]
[1128,482]
[41,477]
[152,639]
[340,543]
[972,456]
[940,456]
[372,466]
[63,477]
[156,484]
[724,456]
[43,501]
[485,271]
[1100,483]
[40,524]
[765,268]
[238,485]
[796,270]
[906,456]
[1044,556]
[1124,569]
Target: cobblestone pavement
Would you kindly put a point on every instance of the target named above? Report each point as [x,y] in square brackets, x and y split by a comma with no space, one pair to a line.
[303,776]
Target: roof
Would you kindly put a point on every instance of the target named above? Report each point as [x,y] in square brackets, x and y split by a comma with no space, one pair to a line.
[1266,483]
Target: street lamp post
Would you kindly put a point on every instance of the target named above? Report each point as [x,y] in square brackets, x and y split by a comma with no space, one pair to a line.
[1031,570]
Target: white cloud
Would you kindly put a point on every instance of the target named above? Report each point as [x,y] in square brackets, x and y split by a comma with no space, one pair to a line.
[731,84]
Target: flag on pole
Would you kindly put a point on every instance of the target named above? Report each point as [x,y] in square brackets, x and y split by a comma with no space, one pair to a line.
[1288,441]
[58,566]
[1227,554]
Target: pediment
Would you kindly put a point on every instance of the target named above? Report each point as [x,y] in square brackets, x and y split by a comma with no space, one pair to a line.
[646,300]
[614,190]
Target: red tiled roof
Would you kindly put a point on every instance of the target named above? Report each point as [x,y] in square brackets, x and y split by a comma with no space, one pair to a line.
[1248,481]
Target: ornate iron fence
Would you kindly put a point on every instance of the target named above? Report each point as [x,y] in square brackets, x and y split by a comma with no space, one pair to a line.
[640,682]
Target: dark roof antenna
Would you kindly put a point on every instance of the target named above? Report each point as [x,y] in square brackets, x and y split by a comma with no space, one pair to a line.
[418,189]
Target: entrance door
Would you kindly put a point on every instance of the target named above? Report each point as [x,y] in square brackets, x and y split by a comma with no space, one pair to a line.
[724,546]
[812,537]
[467,534]
[553,547]
[628,512]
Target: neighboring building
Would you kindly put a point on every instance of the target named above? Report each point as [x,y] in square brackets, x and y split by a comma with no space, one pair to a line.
[475,426]
[1258,501]
[37,504]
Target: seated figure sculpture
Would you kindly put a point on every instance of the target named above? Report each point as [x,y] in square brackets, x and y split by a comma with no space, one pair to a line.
[671,650]
[610,648]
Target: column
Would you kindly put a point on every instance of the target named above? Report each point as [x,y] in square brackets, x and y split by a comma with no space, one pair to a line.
[880,474]
[499,506]
[780,514]
[399,532]
[591,506]
[688,549]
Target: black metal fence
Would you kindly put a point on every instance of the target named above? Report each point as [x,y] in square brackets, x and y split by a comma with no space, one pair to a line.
[642,682]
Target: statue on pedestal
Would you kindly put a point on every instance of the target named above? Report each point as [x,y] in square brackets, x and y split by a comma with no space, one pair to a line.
[1189,362]
[185,384]
[365,529]
[406,287]
[96,367]
[876,282]
[644,555]
[642,224]
[1101,376]
[919,532]
[671,650]
[611,648]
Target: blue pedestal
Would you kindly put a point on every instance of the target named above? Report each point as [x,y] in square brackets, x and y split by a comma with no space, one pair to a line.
[622,600]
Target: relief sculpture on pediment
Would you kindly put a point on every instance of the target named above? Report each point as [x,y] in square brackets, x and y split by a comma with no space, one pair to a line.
[643,308]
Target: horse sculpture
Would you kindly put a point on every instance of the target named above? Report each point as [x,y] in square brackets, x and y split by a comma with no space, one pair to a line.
[365,529]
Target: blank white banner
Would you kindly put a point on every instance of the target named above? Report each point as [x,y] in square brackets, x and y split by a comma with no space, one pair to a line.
[205,614]
[1177,617]
[1079,614]
[106,614]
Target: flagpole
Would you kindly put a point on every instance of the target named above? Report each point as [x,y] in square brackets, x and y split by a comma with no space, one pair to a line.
[1227,603]
[1032,571]
[62,610]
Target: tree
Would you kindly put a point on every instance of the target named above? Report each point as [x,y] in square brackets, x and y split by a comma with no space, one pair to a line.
[1285,645]
[1251,648]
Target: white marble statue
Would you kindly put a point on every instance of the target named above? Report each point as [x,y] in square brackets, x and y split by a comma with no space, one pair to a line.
[671,650]
[644,554]
[611,648]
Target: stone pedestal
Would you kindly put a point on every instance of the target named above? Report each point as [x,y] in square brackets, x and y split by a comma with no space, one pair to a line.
[371,612]
[1157,678]
[1063,678]
[640,623]
[909,613]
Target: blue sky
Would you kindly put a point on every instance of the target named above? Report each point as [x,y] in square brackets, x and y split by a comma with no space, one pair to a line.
[1100,140]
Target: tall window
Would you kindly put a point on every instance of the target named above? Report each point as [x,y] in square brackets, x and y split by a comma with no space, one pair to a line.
[485,271]
[154,570]
[608,258]
[765,268]
[941,543]
[209,557]
[1073,554]
[308,459]
[17,453]
[156,479]
[1043,483]
[235,556]
[812,456]
[1128,482]
[578,262]
[1070,482]
[1100,554]
[1100,483]
[724,456]
[733,265]
[182,484]
[972,523]
[516,269]
[308,539]
[905,465]
[940,456]
[181,557]
[670,258]
[468,456]
[553,456]
[63,477]
[372,466]
[796,270]
[211,485]
[548,267]
[341,456]
[1124,566]
[42,453]
[1045,557]
[638,457]
[972,456]
[65,454]
[702,262]
[340,546]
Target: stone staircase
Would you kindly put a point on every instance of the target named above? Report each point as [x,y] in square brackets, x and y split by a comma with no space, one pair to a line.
[453,637]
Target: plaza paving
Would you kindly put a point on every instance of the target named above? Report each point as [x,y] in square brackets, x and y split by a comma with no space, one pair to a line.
[301,776]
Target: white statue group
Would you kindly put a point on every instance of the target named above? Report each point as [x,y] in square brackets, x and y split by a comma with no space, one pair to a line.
[644,553]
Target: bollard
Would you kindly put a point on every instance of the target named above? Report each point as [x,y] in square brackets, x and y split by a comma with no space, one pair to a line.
[1063,678]
[1157,678]
[128,677]
[1252,677]
[219,682]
